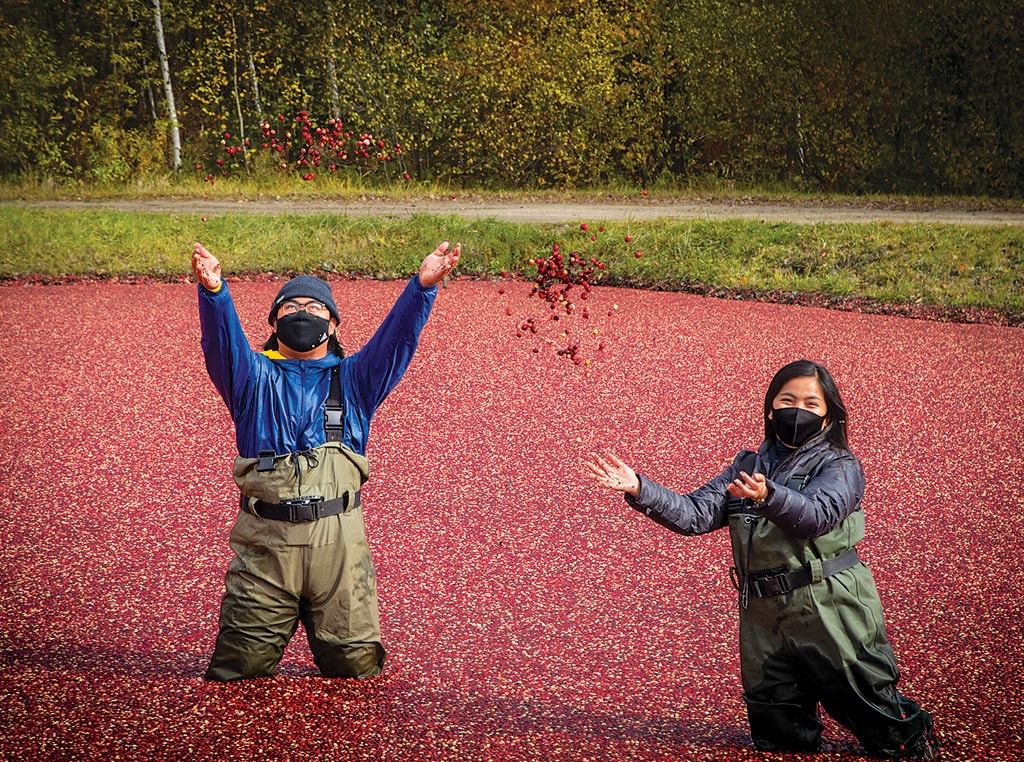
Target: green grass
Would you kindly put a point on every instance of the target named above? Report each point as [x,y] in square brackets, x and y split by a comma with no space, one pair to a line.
[351,186]
[943,265]
[112,243]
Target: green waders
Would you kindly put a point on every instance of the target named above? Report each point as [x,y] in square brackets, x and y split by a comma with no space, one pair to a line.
[319,573]
[822,642]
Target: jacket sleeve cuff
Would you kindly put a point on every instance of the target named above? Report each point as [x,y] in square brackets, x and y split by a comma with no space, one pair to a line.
[212,291]
[635,502]
[762,505]
[421,288]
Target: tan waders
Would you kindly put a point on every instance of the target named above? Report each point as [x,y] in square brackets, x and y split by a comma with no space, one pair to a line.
[299,541]
[325,580]
[317,572]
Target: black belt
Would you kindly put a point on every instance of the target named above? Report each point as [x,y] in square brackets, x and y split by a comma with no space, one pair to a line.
[300,509]
[778,581]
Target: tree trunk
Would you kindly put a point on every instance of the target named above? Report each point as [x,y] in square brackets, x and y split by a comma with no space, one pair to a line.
[247,24]
[238,97]
[165,71]
[332,72]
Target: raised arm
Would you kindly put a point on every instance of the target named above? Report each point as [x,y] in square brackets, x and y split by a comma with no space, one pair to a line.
[225,346]
[206,268]
[380,364]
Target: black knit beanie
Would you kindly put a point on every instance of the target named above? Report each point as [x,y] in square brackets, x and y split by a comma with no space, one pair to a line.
[308,286]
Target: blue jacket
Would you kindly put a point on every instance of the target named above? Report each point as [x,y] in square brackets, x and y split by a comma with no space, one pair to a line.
[277,404]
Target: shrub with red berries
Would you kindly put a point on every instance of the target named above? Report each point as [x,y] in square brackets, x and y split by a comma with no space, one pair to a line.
[299,145]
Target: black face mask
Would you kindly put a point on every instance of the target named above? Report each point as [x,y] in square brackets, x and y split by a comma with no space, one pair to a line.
[794,425]
[301,331]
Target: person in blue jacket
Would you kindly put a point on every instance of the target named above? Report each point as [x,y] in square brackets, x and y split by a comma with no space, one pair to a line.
[302,412]
[811,625]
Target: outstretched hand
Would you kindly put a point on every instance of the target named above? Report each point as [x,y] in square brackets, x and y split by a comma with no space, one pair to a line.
[750,486]
[206,268]
[439,263]
[608,471]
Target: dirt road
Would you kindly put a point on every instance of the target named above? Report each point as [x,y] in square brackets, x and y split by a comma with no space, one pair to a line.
[543,211]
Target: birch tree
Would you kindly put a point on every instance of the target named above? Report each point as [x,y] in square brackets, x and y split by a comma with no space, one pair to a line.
[165,73]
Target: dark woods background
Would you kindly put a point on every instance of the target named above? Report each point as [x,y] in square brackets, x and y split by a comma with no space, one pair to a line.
[920,96]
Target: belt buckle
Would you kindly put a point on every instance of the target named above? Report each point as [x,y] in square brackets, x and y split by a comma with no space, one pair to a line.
[774,582]
[295,504]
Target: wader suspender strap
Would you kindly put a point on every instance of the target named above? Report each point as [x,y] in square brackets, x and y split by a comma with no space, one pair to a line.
[780,582]
[334,409]
[334,421]
[798,479]
[311,507]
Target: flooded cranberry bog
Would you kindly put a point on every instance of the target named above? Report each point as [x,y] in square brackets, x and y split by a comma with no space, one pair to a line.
[527,614]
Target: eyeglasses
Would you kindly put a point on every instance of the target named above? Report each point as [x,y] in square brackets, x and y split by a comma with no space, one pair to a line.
[313,308]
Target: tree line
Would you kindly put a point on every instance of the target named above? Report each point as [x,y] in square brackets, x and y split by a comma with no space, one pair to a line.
[921,96]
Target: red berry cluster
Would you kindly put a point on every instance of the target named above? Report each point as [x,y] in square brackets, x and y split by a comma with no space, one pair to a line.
[557,274]
[572,352]
[527,326]
[306,147]
[557,277]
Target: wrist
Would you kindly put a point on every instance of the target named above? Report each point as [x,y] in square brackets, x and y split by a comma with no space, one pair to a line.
[634,490]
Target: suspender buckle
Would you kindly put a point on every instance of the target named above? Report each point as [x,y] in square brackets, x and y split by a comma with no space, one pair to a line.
[334,410]
[266,460]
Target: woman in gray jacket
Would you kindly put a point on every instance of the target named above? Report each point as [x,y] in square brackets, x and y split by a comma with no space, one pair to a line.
[811,625]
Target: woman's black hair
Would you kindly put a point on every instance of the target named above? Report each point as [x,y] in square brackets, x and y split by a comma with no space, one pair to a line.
[835,416]
[333,345]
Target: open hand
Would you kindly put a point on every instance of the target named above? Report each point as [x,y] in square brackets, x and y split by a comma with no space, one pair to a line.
[439,263]
[750,486]
[206,268]
[608,471]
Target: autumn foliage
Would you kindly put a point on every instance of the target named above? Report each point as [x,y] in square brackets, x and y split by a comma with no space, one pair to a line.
[850,95]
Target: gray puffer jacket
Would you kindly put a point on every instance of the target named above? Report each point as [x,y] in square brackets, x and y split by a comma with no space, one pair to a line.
[812,511]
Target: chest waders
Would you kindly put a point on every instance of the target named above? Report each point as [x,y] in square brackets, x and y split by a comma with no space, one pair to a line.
[812,631]
[301,555]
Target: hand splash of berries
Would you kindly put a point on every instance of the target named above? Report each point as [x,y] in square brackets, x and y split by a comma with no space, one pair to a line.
[561,279]
[557,275]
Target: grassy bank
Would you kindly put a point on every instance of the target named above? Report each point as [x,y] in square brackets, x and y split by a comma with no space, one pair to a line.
[942,265]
